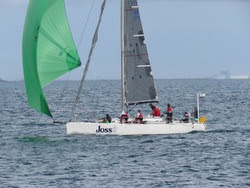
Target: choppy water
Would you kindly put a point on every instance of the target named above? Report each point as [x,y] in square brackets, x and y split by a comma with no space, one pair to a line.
[36,153]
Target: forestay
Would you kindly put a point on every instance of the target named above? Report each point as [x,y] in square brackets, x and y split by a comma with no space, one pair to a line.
[85,71]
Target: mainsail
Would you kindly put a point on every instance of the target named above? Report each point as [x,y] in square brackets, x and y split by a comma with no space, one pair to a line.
[48,49]
[137,79]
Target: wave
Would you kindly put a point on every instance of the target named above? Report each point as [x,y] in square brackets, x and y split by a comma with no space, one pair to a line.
[228,131]
[44,139]
[34,139]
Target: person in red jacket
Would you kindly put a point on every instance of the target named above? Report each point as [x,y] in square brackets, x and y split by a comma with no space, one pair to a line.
[124,117]
[139,117]
[156,112]
[169,114]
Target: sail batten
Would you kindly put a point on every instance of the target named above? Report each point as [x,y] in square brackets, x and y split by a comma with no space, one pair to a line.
[48,49]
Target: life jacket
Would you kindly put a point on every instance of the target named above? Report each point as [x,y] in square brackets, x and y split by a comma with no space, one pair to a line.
[140,115]
[169,110]
[124,116]
[156,112]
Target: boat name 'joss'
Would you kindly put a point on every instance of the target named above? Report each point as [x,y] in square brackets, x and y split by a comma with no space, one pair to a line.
[103,130]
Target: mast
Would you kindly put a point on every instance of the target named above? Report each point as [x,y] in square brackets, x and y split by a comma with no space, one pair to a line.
[122,56]
[198,106]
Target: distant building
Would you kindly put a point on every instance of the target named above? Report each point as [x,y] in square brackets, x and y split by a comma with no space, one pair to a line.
[239,77]
[227,75]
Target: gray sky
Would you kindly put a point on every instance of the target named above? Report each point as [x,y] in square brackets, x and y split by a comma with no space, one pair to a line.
[185,38]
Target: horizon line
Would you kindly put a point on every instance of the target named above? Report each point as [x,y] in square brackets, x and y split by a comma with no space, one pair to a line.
[62,80]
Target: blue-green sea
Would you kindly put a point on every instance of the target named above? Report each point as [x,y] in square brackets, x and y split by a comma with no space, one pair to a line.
[34,152]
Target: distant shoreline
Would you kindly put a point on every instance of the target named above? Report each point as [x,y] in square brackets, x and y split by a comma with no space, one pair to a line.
[1,80]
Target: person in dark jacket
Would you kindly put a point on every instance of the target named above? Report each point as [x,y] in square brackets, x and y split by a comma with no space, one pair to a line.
[185,118]
[195,113]
[106,119]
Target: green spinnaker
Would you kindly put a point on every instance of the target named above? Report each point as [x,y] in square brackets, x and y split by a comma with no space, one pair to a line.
[48,49]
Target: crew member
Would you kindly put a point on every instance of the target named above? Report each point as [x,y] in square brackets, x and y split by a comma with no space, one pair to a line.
[185,118]
[169,114]
[195,113]
[124,116]
[106,119]
[139,116]
[156,112]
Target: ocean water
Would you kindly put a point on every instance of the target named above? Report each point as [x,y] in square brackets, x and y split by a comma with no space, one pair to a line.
[34,152]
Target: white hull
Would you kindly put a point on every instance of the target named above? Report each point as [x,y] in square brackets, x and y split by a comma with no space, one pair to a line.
[132,129]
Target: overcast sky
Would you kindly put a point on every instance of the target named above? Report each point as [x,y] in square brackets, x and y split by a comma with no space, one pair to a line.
[185,38]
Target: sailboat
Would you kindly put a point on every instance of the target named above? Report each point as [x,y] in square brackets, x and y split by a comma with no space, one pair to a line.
[49,52]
